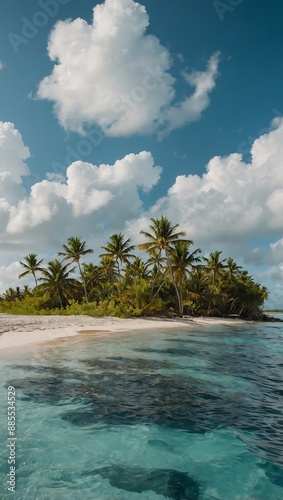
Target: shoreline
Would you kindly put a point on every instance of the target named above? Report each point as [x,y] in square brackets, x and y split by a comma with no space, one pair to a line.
[18,331]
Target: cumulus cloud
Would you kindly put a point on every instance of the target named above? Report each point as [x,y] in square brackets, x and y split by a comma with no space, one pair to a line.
[13,167]
[13,152]
[91,201]
[116,75]
[88,188]
[233,201]
[2,65]
[9,275]
[191,108]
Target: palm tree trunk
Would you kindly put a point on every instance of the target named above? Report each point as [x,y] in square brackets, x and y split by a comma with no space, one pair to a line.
[119,270]
[181,300]
[83,280]
[157,291]
[35,278]
[60,300]
[180,305]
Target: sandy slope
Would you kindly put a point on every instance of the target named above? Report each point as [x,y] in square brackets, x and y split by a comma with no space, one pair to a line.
[16,331]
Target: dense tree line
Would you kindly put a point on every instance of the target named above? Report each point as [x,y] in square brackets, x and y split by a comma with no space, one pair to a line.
[174,279]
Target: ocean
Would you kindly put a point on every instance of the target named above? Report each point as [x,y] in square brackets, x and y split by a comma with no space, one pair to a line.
[179,414]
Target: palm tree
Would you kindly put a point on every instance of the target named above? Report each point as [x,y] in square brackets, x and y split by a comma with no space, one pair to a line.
[12,294]
[92,277]
[197,287]
[215,265]
[138,269]
[250,295]
[197,283]
[56,280]
[73,252]
[118,249]
[232,268]
[31,264]
[162,239]
[182,261]
[27,292]
[108,269]
[156,260]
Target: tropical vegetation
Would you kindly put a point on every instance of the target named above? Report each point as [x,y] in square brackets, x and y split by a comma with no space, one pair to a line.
[168,277]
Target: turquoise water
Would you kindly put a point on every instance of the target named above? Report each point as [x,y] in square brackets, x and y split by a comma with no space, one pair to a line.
[182,414]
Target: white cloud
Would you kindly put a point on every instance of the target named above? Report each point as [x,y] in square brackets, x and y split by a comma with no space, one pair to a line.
[9,276]
[115,74]
[2,65]
[93,202]
[191,108]
[88,188]
[13,154]
[89,201]
[233,201]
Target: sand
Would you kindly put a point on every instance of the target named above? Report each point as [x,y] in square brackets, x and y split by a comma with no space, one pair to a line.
[17,331]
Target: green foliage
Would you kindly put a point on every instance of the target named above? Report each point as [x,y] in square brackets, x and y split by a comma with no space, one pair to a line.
[119,250]
[102,308]
[73,252]
[57,282]
[174,279]
[31,266]
[27,305]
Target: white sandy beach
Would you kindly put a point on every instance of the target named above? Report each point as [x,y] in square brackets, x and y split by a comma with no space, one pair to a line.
[17,331]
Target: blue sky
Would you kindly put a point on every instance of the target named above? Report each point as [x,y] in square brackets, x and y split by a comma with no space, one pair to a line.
[225,55]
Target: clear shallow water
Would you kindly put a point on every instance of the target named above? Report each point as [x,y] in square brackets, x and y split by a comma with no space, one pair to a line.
[180,414]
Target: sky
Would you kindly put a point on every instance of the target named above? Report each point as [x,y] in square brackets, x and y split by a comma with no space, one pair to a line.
[114,112]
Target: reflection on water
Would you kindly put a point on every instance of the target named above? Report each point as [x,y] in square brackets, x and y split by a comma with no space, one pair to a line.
[167,414]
